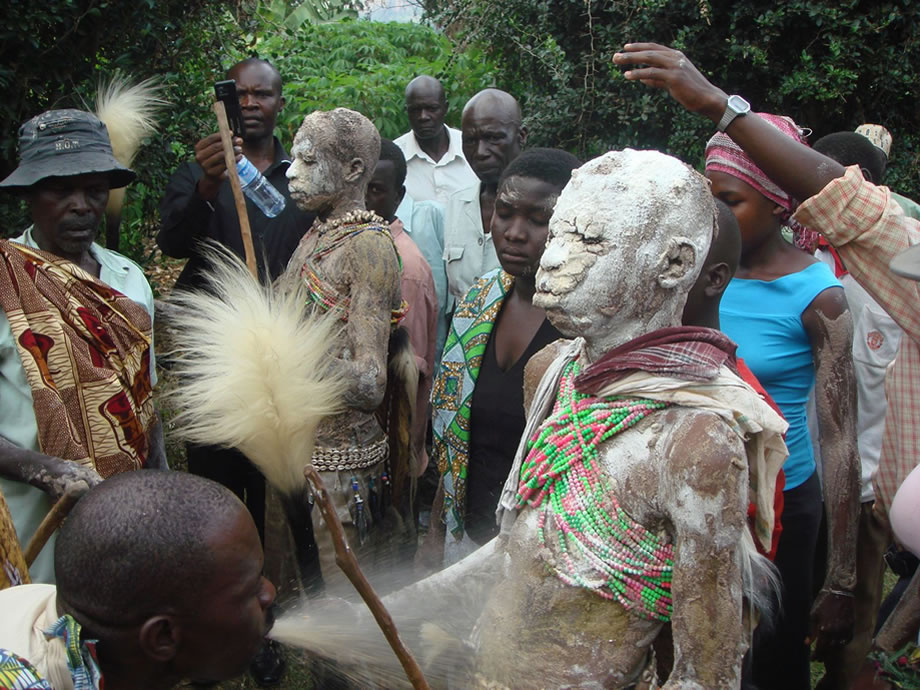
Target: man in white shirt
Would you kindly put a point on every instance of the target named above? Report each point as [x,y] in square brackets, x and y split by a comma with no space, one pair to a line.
[493,136]
[435,165]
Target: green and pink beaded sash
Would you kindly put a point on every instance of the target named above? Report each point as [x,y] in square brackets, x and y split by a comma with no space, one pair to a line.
[561,474]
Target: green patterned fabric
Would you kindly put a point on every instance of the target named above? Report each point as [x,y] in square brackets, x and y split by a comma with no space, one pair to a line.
[453,387]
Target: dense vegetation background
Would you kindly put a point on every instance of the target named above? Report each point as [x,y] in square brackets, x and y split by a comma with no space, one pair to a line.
[830,65]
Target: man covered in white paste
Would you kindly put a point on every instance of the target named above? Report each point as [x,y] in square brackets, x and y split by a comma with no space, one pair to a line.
[626,506]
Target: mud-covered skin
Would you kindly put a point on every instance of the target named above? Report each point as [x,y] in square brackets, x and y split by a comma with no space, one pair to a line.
[52,475]
[335,154]
[830,329]
[365,268]
[681,472]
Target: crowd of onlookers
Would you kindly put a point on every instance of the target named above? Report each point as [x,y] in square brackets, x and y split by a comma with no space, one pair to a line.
[827,330]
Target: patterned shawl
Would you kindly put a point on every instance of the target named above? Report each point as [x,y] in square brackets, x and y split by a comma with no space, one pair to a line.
[452,391]
[85,349]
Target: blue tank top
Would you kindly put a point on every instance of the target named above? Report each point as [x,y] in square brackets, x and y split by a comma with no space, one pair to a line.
[765,319]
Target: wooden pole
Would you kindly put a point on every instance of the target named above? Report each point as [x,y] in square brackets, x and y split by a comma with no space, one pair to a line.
[51,522]
[226,138]
[345,559]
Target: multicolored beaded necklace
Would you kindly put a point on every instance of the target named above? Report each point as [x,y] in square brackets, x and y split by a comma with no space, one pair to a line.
[561,473]
[332,235]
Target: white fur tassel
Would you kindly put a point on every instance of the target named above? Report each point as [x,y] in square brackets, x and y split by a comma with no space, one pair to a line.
[129,113]
[253,368]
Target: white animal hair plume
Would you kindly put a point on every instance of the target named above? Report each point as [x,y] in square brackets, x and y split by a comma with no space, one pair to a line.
[254,368]
[129,113]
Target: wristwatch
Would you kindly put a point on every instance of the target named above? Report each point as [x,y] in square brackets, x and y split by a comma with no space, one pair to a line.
[735,107]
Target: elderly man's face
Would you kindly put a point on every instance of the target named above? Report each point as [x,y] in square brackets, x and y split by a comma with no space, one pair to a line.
[491,140]
[66,212]
[223,634]
[316,176]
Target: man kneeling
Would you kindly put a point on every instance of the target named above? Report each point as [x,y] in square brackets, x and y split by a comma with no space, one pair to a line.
[159,578]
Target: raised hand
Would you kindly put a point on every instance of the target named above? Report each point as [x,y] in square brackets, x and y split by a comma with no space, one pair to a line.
[668,69]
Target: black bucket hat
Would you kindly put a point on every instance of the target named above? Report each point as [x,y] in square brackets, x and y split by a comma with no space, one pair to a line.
[61,143]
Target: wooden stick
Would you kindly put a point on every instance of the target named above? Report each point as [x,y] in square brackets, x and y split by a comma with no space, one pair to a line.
[345,559]
[51,522]
[226,138]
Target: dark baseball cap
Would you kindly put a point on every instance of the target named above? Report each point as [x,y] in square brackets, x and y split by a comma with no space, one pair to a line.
[62,143]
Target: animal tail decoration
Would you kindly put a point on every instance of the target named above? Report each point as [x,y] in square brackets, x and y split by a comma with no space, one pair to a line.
[129,113]
[255,369]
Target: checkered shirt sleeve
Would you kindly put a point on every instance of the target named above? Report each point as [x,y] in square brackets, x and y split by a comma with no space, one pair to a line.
[868,228]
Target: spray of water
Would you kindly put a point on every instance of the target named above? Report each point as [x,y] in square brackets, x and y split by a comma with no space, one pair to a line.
[435,617]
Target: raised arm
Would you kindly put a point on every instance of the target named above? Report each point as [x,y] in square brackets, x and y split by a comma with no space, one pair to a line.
[829,326]
[703,493]
[801,171]
[859,219]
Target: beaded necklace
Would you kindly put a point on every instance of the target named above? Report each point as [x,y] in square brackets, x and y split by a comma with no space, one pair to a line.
[561,474]
[332,235]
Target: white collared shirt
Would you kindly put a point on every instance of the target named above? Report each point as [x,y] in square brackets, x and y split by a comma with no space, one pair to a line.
[430,180]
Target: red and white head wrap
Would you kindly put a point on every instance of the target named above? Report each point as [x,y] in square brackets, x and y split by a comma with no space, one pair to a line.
[724,155]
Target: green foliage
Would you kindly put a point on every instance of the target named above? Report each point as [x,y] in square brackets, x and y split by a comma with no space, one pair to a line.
[829,65]
[52,54]
[365,66]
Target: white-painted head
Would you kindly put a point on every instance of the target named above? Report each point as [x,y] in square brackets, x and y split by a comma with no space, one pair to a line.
[333,157]
[626,243]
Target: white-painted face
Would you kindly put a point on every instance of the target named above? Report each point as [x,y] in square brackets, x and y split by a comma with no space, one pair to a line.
[610,237]
[315,175]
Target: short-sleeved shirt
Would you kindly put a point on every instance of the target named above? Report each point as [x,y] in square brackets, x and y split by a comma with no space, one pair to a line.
[765,319]
[430,180]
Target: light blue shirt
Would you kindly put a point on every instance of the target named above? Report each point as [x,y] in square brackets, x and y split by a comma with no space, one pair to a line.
[29,505]
[423,221]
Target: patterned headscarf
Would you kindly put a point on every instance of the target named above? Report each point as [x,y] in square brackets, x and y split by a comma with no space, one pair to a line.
[724,155]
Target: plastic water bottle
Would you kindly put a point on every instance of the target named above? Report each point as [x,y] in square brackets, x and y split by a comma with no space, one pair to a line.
[259,190]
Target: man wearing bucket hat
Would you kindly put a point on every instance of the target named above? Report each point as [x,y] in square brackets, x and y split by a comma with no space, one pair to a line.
[76,352]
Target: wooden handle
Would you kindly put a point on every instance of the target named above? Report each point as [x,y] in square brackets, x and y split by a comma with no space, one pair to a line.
[345,559]
[226,138]
[52,521]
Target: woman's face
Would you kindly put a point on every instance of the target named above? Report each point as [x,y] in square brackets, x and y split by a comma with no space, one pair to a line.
[523,207]
[758,217]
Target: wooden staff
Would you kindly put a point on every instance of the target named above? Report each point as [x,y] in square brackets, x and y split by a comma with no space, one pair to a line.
[226,138]
[51,522]
[345,559]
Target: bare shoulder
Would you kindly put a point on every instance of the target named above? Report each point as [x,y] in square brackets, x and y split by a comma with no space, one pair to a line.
[537,365]
[700,449]
[373,259]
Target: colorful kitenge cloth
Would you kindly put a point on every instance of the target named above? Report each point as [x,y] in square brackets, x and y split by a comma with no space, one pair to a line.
[319,289]
[85,348]
[13,569]
[17,673]
[452,391]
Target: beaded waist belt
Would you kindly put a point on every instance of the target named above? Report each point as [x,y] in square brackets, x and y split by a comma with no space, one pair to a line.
[355,458]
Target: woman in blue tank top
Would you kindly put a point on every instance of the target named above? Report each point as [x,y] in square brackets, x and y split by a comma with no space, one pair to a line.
[789,316]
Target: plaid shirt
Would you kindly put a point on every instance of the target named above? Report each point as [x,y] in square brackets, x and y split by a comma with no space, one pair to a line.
[868,228]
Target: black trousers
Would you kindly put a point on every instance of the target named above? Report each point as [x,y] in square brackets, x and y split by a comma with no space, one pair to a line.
[231,468]
[780,657]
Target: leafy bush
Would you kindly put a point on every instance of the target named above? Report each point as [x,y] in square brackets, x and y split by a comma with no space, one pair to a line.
[829,65]
[365,66]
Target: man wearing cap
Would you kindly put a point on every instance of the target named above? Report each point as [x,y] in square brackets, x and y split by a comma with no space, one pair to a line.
[76,352]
